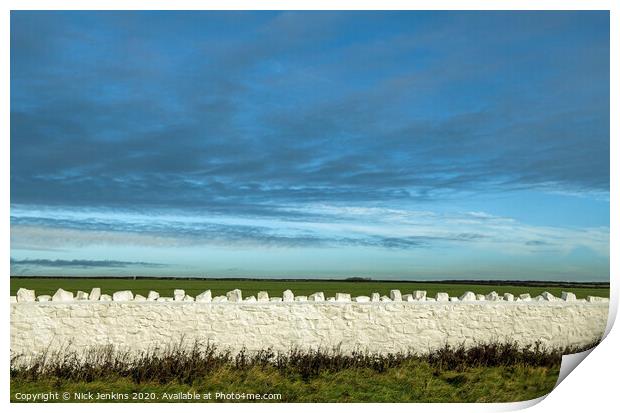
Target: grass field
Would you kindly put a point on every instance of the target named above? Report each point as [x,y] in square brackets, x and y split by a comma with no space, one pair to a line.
[275,287]
[411,382]
[487,373]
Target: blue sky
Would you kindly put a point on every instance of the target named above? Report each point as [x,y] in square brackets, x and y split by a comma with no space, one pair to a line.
[392,145]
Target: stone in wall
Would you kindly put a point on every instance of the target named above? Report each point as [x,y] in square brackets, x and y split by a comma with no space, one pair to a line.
[125,295]
[81,296]
[592,299]
[375,297]
[566,296]
[395,295]
[44,298]
[468,296]
[318,296]
[262,296]
[204,297]
[419,295]
[139,297]
[288,296]
[442,297]
[95,294]
[525,297]
[178,295]
[361,299]
[343,297]
[509,297]
[24,295]
[62,296]
[492,296]
[152,296]
[234,296]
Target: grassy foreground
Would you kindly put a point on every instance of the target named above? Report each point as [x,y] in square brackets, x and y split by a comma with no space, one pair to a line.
[486,373]
[275,287]
[410,382]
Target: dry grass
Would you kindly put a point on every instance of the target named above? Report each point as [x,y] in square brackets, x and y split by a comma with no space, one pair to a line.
[185,364]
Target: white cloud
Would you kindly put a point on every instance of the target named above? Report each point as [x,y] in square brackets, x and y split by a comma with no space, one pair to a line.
[324,225]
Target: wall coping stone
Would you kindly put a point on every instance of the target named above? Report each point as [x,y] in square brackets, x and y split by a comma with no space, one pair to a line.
[318,298]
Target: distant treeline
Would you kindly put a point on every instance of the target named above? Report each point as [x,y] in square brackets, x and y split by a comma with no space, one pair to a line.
[524,283]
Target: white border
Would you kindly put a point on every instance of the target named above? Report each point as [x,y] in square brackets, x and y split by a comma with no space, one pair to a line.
[591,387]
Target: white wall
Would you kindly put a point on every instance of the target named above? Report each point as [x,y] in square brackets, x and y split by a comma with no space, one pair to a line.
[382,327]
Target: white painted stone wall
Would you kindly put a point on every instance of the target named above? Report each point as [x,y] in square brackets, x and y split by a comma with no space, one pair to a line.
[375,326]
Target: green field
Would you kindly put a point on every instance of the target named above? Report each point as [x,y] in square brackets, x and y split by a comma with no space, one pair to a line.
[492,372]
[275,287]
[411,382]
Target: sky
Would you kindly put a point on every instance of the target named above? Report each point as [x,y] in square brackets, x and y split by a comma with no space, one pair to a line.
[391,145]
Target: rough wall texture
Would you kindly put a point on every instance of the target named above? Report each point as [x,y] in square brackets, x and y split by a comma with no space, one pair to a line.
[381,327]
